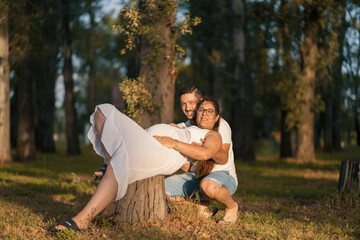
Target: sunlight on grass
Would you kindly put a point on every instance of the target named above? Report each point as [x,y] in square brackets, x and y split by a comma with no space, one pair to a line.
[278,199]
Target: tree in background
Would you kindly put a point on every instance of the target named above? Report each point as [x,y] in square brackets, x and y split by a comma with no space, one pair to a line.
[71,118]
[5,156]
[48,59]
[242,90]
[25,38]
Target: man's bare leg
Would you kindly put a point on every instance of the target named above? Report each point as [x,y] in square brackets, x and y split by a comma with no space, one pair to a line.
[221,194]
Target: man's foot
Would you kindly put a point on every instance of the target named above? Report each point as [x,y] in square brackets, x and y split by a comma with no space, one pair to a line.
[231,215]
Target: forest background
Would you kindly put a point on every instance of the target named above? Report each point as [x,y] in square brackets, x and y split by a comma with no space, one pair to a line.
[283,70]
[286,73]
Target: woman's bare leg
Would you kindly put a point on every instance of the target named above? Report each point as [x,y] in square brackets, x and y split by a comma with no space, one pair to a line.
[103,196]
[99,125]
[106,190]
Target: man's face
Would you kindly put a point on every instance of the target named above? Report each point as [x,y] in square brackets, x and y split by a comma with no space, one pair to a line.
[188,103]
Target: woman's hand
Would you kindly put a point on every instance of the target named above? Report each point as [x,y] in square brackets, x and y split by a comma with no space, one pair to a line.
[166,141]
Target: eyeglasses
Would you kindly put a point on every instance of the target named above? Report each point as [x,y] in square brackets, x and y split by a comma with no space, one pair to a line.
[209,111]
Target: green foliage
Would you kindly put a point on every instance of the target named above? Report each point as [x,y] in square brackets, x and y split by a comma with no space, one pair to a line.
[137,97]
[67,234]
[133,24]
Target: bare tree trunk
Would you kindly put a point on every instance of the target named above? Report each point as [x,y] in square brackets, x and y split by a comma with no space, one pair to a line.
[26,149]
[71,121]
[305,144]
[336,137]
[160,72]
[243,100]
[92,71]
[5,156]
[349,176]
[46,89]
[355,112]
[328,118]
[146,199]
[285,144]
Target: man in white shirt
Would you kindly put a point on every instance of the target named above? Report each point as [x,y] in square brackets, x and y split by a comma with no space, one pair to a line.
[221,183]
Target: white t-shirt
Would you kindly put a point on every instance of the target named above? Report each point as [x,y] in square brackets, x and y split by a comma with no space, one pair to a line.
[225,132]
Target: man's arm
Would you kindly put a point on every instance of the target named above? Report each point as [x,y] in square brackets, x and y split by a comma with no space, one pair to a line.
[222,156]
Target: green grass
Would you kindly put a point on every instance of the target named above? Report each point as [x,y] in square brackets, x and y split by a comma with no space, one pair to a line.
[278,199]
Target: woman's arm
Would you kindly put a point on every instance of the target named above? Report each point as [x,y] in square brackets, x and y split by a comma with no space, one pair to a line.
[208,150]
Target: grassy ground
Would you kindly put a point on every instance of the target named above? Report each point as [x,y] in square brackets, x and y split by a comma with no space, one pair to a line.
[278,199]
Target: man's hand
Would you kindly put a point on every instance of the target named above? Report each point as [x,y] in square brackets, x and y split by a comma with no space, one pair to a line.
[175,125]
[166,141]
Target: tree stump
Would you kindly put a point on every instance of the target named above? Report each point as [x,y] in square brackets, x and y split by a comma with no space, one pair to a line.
[145,200]
[349,176]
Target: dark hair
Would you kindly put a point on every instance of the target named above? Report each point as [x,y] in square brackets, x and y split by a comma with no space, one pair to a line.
[205,167]
[191,89]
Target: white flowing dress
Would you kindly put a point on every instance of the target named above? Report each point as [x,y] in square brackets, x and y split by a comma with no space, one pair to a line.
[135,153]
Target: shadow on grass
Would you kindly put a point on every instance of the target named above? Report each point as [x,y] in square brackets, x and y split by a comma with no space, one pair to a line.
[50,198]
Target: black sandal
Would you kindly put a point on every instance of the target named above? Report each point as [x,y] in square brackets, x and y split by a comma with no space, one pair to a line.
[70,224]
[103,170]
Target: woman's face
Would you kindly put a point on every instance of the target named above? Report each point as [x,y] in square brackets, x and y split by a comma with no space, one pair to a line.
[206,116]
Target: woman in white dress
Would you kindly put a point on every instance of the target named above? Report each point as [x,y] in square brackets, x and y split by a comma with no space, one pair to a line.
[133,153]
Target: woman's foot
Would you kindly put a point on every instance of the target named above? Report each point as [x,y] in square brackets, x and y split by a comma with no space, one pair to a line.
[99,174]
[73,224]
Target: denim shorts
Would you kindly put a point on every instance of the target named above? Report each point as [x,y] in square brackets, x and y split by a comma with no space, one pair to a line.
[186,185]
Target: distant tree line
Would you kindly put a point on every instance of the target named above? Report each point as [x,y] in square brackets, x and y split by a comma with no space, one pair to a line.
[284,65]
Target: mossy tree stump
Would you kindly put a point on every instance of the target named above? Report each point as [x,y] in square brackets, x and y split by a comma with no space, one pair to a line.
[349,176]
[145,200]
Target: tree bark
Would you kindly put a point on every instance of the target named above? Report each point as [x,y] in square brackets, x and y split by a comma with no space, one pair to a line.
[242,95]
[46,89]
[328,118]
[159,72]
[5,156]
[71,121]
[26,149]
[305,144]
[92,70]
[338,82]
[349,176]
[285,143]
[144,200]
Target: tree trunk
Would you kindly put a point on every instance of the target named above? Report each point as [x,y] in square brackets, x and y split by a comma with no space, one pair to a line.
[92,71]
[144,200]
[5,156]
[356,113]
[305,145]
[349,176]
[328,118]
[242,95]
[285,143]
[26,149]
[71,121]
[46,89]
[338,79]
[160,71]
